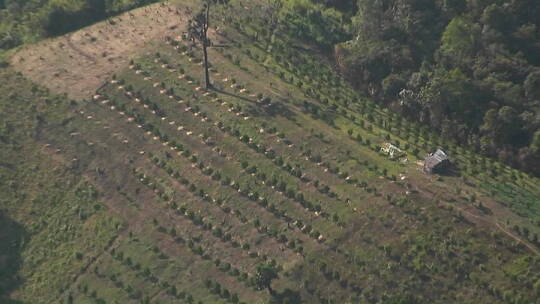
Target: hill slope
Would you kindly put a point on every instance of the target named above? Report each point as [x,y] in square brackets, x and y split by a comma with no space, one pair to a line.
[168,193]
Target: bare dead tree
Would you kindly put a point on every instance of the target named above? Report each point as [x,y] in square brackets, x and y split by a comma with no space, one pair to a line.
[198,30]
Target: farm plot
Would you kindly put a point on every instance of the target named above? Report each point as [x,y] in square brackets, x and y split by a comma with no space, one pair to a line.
[270,141]
[411,176]
[276,166]
[221,192]
[142,210]
[194,149]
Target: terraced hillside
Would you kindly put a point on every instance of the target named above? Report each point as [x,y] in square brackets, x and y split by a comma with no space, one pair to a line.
[155,190]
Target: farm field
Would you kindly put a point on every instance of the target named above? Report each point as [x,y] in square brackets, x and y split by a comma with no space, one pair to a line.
[152,189]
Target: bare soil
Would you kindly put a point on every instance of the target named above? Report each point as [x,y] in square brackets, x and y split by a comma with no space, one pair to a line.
[78,63]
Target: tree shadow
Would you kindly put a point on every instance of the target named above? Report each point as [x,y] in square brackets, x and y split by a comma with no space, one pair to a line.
[273,109]
[13,238]
[286,296]
[451,171]
[278,108]
[221,91]
[10,301]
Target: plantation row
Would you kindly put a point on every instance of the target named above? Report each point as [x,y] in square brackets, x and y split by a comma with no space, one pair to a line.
[225,208]
[200,166]
[472,167]
[343,281]
[235,186]
[177,239]
[292,169]
[197,112]
[114,136]
[120,138]
[302,65]
[217,176]
[383,172]
[471,164]
[133,272]
[194,216]
[281,136]
[322,188]
[218,164]
[515,199]
[223,129]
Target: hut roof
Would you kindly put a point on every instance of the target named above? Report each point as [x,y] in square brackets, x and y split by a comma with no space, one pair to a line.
[439,155]
[434,159]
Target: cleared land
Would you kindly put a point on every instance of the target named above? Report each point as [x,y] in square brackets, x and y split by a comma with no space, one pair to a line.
[78,63]
[279,164]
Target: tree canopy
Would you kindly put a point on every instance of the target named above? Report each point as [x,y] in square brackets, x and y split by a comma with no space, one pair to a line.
[459,66]
[266,273]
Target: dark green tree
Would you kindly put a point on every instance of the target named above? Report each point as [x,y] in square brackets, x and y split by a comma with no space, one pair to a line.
[266,273]
[458,39]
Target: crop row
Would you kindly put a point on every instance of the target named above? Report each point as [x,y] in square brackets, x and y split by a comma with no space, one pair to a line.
[179,152]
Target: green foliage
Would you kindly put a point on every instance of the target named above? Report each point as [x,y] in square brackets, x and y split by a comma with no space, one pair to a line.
[495,17]
[454,92]
[15,235]
[59,16]
[457,39]
[52,222]
[392,84]
[535,144]
[532,85]
[475,57]
[264,276]
[313,22]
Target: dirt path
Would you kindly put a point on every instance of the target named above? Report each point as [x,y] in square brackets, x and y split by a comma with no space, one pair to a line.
[79,51]
[489,221]
[500,227]
[78,63]
[517,239]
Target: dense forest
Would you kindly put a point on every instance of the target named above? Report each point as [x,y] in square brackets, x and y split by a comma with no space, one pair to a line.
[467,68]
[23,21]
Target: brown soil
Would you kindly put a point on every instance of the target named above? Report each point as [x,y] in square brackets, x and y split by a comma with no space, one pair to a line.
[78,63]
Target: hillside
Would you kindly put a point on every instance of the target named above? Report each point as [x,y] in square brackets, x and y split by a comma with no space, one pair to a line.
[137,185]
